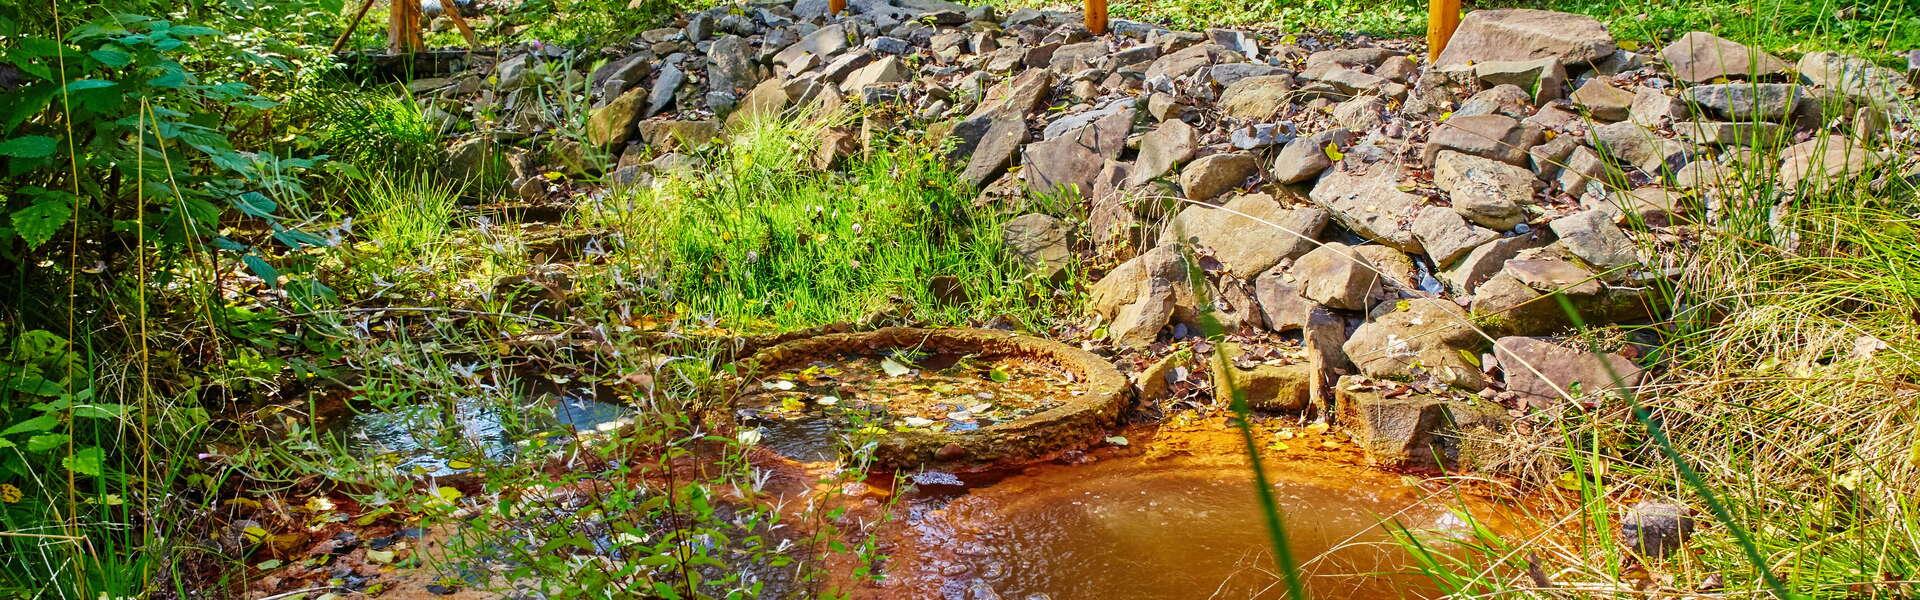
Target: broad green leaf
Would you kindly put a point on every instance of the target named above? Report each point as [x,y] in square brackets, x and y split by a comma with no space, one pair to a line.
[260,268]
[86,461]
[255,204]
[100,411]
[33,425]
[81,85]
[111,57]
[46,441]
[29,146]
[37,223]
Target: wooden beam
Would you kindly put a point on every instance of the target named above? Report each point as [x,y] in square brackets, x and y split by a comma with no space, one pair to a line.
[403,28]
[352,25]
[1443,16]
[1097,16]
[835,7]
[453,13]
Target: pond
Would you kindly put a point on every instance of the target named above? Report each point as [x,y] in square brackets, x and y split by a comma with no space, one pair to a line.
[440,440]
[1179,527]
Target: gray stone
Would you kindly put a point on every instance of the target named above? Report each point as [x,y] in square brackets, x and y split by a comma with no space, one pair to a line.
[1192,58]
[730,65]
[1351,82]
[1139,297]
[1041,243]
[1446,236]
[1319,63]
[823,42]
[1544,76]
[1719,133]
[1430,336]
[1210,176]
[1338,276]
[1700,57]
[1593,237]
[1654,108]
[1526,34]
[1488,192]
[612,124]
[1225,75]
[1604,100]
[1260,135]
[1745,101]
[889,69]
[766,101]
[1656,529]
[1545,373]
[1498,137]
[665,88]
[1853,76]
[1367,199]
[987,143]
[1282,308]
[1305,158]
[1249,234]
[1362,113]
[1633,145]
[1823,161]
[1170,144]
[1074,121]
[1260,98]
[1507,100]
[1486,260]
[1583,168]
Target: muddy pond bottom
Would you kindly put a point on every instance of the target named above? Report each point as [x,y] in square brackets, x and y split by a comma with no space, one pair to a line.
[1167,528]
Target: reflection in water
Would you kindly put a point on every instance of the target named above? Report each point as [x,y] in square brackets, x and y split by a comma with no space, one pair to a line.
[1148,529]
[431,439]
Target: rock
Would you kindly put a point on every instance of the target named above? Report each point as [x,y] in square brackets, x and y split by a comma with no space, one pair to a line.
[730,64]
[1249,234]
[1592,236]
[472,158]
[1487,192]
[1853,76]
[675,134]
[1545,373]
[1430,336]
[1604,100]
[1486,260]
[1171,143]
[1446,236]
[1261,135]
[1319,63]
[1656,529]
[1074,121]
[836,144]
[1225,75]
[1137,298]
[1745,101]
[1717,133]
[1524,298]
[1260,98]
[1282,308]
[766,101]
[888,69]
[1526,34]
[1654,108]
[1023,94]
[1366,198]
[1073,159]
[676,165]
[1583,168]
[1212,175]
[612,125]
[1339,276]
[1305,158]
[1700,57]
[823,42]
[1349,82]
[1418,430]
[665,88]
[1822,161]
[987,144]
[1192,58]
[1545,76]
[1635,146]
[1655,206]
[1498,137]
[1040,241]
[1265,387]
[1361,113]
[1507,100]
[628,72]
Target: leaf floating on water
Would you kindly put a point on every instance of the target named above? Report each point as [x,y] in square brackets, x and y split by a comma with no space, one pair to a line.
[1118,440]
[960,415]
[827,400]
[792,404]
[980,408]
[380,557]
[917,421]
[893,367]
[782,385]
[1317,427]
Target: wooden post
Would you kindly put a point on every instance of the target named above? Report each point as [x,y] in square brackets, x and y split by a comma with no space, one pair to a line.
[453,14]
[1443,16]
[403,28]
[1097,16]
[835,7]
[351,25]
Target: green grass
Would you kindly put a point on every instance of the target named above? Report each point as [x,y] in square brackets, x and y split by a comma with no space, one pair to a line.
[759,239]
[1871,28]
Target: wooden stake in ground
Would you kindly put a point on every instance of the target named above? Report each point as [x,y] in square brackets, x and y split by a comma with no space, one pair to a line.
[835,7]
[453,14]
[403,28]
[1443,16]
[351,25]
[1097,16]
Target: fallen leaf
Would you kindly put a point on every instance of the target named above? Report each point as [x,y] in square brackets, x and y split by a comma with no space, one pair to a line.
[893,367]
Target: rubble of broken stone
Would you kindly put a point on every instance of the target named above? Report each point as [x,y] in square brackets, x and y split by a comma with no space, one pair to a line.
[1427,224]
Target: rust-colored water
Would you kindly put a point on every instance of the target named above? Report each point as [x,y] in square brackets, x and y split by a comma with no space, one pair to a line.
[1176,520]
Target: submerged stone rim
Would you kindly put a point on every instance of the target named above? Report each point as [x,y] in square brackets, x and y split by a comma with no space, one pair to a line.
[1076,423]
